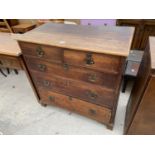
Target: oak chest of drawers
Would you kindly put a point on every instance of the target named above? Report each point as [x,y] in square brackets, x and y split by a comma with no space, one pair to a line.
[77,67]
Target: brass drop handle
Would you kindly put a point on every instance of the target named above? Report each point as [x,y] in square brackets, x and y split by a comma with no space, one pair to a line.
[51,98]
[92,95]
[46,83]
[42,67]
[89,59]
[66,66]
[40,52]
[92,78]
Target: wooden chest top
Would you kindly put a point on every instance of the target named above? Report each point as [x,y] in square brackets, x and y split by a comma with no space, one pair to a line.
[8,46]
[100,39]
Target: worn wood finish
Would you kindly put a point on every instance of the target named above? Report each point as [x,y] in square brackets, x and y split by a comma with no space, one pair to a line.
[88,92]
[86,38]
[95,112]
[99,61]
[143,29]
[24,27]
[140,116]
[43,52]
[149,30]
[104,79]
[10,53]
[84,63]
[9,46]
[144,120]
[137,91]
[10,62]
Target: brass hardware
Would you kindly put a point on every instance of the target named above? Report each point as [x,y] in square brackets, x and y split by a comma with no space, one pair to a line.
[42,67]
[92,111]
[46,83]
[51,98]
[65,66]
[40,52]
[92,78]
[92,95]
[89,59]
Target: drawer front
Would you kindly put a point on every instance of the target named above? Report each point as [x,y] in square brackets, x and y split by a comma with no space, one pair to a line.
[44,52]
[9,62]
[85,91]
[78,73]
[95,112]
[101,62]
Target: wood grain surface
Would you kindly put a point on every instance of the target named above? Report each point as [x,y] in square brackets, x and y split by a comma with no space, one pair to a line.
[104,79]
[140,115]
[9,46]
[93,111]
[102,39]
[83,64]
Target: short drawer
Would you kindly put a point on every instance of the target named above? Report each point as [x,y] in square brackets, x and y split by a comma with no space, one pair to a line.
[93,111]
[48,53]
[78,73]
[100,62]
[10,62]
[84,91]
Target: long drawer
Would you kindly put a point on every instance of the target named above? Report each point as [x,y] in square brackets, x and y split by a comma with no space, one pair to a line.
[104,79]
[81,90]
[93,111]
